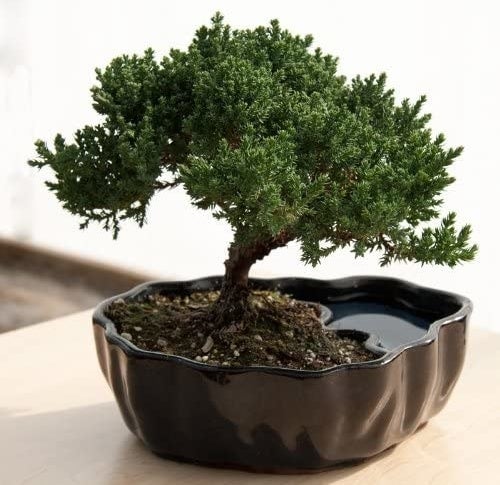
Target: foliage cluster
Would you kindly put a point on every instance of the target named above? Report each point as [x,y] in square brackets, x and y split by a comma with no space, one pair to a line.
[261,129]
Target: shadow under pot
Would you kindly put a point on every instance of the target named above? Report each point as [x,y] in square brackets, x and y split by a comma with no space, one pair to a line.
[273,419]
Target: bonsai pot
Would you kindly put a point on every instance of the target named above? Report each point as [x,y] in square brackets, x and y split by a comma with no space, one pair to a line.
[282,420]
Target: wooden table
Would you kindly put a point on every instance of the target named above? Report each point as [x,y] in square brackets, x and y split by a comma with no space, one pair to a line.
[59,424]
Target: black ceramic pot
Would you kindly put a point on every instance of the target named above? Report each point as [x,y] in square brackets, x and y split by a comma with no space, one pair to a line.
[283,420]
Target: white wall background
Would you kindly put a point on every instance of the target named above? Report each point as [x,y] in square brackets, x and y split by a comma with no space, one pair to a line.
[447,49]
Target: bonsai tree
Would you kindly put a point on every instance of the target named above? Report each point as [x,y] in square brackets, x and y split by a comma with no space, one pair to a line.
[263,132]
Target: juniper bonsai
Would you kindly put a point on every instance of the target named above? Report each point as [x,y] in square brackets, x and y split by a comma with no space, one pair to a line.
[262,131]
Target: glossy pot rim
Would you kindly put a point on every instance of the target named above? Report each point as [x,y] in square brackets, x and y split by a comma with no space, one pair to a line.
[356,284]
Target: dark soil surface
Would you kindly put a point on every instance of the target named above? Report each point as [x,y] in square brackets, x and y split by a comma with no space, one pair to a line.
[280,332]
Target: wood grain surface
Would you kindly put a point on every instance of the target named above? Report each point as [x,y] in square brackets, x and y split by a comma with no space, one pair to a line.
[39,284]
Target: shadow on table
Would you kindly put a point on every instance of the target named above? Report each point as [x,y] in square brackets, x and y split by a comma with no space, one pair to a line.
[92,445]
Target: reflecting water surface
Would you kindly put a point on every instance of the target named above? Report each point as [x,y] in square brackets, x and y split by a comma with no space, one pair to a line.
[394,326]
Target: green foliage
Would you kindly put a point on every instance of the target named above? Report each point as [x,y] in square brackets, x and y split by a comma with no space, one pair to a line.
[262,130]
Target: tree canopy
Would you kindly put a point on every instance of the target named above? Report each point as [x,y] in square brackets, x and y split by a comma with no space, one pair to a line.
[261,129]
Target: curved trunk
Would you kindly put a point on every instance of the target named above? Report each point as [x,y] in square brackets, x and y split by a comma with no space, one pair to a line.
[232,304]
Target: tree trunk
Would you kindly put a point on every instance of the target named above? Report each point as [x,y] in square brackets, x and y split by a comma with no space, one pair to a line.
[232,304]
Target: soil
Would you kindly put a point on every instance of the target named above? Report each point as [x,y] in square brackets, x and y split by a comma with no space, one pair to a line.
[280,332]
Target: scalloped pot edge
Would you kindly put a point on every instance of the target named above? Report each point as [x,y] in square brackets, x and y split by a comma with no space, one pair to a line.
[287,420]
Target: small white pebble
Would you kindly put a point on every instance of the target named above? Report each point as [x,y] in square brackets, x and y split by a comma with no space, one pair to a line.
[236,353]
[161,342]
[207,346]
[126,335]
[225,363]
[312,354]
[198,358]
[137,329]
[348,360]
[258,338]
[193,345]
[289,334]
[204,358]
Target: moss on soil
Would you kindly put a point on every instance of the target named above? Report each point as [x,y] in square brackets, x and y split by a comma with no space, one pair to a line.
[278,331]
